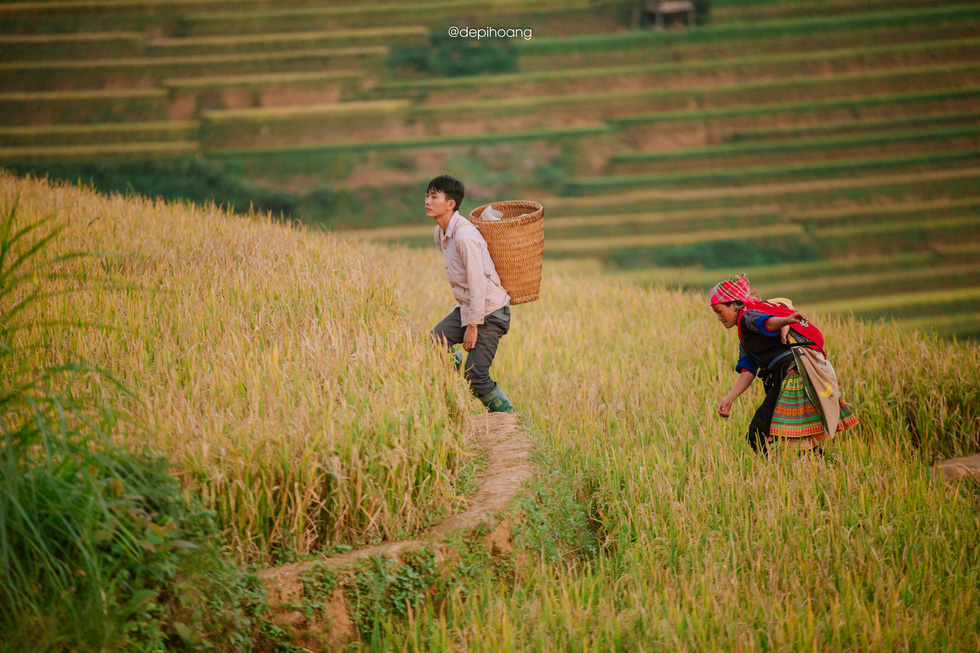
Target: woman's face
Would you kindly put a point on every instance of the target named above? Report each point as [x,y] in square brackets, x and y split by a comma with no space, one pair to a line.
[726,313]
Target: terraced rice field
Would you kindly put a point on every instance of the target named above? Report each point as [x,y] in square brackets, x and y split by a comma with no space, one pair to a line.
[841,136]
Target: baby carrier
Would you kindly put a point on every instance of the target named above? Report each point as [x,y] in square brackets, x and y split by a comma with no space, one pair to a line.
[811,334]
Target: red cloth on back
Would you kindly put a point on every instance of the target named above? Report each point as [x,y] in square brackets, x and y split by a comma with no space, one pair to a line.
[809,331]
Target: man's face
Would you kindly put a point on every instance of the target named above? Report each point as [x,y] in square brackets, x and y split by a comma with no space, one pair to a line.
[436,204]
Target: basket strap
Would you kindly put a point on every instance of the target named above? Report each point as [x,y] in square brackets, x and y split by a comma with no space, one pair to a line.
[490,278]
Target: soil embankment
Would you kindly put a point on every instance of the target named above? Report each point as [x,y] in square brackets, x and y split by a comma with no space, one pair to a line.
[955,469]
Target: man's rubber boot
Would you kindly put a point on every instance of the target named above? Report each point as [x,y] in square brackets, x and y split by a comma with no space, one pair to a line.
[497,401]
[458,359]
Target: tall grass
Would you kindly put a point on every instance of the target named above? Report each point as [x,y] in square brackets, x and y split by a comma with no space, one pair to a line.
[706,546]
[272,365]
[911,299]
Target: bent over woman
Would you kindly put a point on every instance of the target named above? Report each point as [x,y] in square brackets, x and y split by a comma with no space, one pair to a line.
[802,406]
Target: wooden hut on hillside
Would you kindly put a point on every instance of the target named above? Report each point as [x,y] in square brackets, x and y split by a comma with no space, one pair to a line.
[660,8]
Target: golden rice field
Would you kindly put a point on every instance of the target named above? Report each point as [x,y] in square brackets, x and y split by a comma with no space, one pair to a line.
[288,375]
[275,367]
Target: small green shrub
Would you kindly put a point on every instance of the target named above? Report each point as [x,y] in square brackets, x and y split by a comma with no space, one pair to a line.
[381,587]
[319,583]
[446,56]
[559,523]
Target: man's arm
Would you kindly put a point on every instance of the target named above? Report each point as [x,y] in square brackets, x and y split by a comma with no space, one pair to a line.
[472,256]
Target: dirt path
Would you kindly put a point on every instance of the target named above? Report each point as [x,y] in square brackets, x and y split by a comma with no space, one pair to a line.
[507,448]
[955,469]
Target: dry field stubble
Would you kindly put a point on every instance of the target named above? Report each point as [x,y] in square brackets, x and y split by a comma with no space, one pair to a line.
[272,365]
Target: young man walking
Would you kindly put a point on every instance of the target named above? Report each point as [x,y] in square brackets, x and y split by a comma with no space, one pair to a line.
[482,314]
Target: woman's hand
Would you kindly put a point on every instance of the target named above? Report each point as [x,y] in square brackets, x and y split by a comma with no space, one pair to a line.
[797,318]
[780,323]
[725,407]
[742,384]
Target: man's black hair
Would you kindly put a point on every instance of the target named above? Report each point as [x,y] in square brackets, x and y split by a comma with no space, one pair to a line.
[450,186]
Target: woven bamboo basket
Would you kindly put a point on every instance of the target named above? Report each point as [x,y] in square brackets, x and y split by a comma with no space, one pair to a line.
[516,244]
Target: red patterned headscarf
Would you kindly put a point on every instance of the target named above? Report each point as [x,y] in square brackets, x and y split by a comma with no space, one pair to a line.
[735,289]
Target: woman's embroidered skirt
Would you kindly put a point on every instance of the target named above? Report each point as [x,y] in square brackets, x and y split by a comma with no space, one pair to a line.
[796,422]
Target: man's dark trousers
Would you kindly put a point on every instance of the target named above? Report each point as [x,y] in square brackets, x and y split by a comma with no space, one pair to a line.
[488,335]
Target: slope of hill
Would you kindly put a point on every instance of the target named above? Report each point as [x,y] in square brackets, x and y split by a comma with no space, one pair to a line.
[288,376]
[269,371]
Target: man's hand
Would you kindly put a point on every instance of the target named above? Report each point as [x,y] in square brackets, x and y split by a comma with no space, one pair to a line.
[469,338]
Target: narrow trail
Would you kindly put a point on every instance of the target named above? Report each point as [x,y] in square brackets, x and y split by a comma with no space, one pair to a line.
[508,451]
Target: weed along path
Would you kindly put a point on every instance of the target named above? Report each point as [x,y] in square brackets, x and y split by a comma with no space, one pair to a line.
[508,451]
